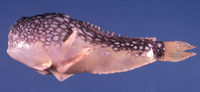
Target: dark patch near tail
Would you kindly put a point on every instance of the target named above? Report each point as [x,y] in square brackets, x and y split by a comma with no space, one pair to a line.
[159,51]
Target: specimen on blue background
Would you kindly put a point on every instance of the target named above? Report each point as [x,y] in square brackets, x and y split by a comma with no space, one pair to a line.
[54,43]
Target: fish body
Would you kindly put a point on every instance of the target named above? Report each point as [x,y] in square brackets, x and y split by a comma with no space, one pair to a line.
[54,43]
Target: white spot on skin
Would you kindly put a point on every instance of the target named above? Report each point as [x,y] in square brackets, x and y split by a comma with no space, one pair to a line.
[51,29]
[64,33]
[26,29]
[89,38]
[146,48]
[104,44]
[150,53]
[58,45]
[129,54]
[32,25]
[107,53]
[28,33]
[72,25]
[35,31]
[55,22]
[67,16]
[58,29]
[48,39]
[66,19]
[45,23]
[127,44]
[141,47]
[46,47]
[97,39]
[111,45]
[112,40]
[117,43]
[82,37]
[136,54]
[46,26]
[29,37]
[63,26]
[106,39]
[32,37]
[40,36]
[115,49]
[87,42]
[163,48]
[135,47]
[150,45]
[134,42]
[62,37]
[159,45]
[22,36]
[124,48]
[42,39]
[122,44]
[94,44]
[28,24]
[78,25]
[49,35]
[49,16]
[89,33]
[39,17]
[54,26]
[43,33]
[21,44]
[37,21]
[47,31]
[99,36]
[55,38]
[55,33]
[80,31]
[36,38]
[144,54]
[47,43]
[59,19]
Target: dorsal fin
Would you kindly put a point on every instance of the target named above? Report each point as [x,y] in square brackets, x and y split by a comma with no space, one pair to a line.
[102,30]
[112,34]
[118,35]
[91,25]
[107,32]
[98,28]
[95,26]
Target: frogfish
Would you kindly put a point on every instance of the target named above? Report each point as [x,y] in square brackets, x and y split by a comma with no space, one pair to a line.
[55,43]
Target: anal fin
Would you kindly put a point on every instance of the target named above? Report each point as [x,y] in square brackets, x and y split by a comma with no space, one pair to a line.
[60,76]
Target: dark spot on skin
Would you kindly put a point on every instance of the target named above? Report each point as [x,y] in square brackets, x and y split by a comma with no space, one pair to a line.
[159,51]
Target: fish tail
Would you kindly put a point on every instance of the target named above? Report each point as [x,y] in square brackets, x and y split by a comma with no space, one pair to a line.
[174,51]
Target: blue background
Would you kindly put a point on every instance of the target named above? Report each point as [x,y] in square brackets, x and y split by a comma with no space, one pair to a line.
[168,20]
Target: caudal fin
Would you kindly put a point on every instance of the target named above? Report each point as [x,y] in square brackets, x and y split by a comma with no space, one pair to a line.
[175,51]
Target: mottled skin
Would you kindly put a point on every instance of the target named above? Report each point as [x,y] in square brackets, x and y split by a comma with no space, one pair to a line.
[54,43]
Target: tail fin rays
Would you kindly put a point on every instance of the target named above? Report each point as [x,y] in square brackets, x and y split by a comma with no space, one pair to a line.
[175,51]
